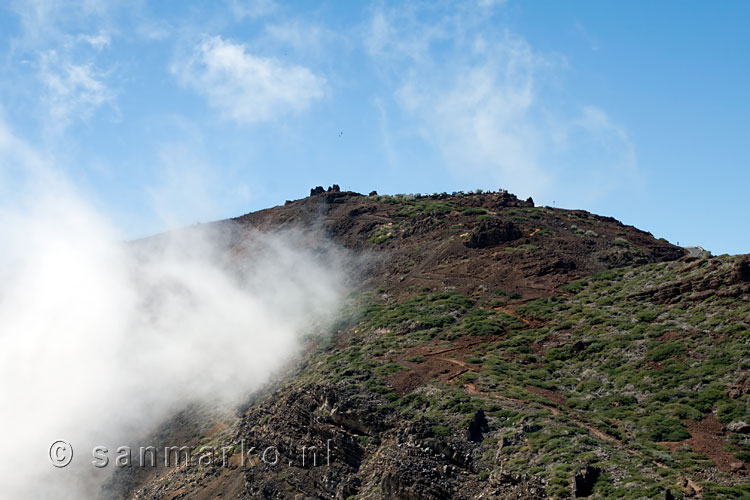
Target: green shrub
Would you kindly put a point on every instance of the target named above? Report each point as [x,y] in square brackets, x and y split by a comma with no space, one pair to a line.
[441,430]
[486,322]
[473,211]
[664,428]
[648,315]
[537,309]
[659,351]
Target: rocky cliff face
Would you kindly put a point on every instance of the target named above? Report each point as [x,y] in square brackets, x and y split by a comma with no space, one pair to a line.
[493,349]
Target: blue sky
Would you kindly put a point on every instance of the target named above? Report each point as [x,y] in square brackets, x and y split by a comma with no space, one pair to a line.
[168,113]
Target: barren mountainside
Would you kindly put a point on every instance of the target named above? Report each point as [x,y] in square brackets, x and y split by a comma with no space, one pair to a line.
[491,349]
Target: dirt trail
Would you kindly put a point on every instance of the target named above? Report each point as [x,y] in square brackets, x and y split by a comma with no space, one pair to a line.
[554,408]
[461,347]
[460,363]
[425,373]
[512,313]
[550,400]
[706,439]
[690,483]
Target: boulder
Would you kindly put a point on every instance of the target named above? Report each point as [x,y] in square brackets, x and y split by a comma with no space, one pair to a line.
[477,426]
[739,426]
[585,480]
[741,272]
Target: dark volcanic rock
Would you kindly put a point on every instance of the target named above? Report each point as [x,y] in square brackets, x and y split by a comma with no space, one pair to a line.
[716,278]
[402,486]
[585,480]
[361,210]
[503,199]
[336,196]
[740,387]
[560,266]
[491,233]
[477,426]
[739,427]
[741,272]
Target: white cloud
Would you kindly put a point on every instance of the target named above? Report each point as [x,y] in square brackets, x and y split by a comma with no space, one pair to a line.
[389,39]
[251,8]
[189,189]
[603,151]
[74,90]
[17,162]
[153,30]
[43,21]
[91,325]
[63,43]
[302,38]
[585,35]
[490,104]
[489,3]
[245,87]
[98,41]
[480,115]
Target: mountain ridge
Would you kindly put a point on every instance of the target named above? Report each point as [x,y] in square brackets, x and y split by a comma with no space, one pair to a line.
[496,349]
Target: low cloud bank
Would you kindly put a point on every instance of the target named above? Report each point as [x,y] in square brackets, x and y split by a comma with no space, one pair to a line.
[101,341]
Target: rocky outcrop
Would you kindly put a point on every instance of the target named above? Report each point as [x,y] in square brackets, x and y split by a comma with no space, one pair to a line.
[319,190]
[619,257]
[492,232]
[740,387]
[559,266]
[477,426]
[585,480]
[739,427]
[702,279]
[741,272]
[501,199]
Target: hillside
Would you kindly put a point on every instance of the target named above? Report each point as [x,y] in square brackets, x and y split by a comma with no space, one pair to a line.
[493,349]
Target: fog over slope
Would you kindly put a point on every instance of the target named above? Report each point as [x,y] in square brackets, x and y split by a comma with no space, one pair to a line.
[100,340]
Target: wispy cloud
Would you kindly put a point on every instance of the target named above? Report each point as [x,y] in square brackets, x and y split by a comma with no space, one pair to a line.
[73,296]
[585,35]
[73,90]
[43,21]
[490,103]
[187,188]
[245,87]
[251,8]
[98,41]
[480,115]
[63,45]
[303,38]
